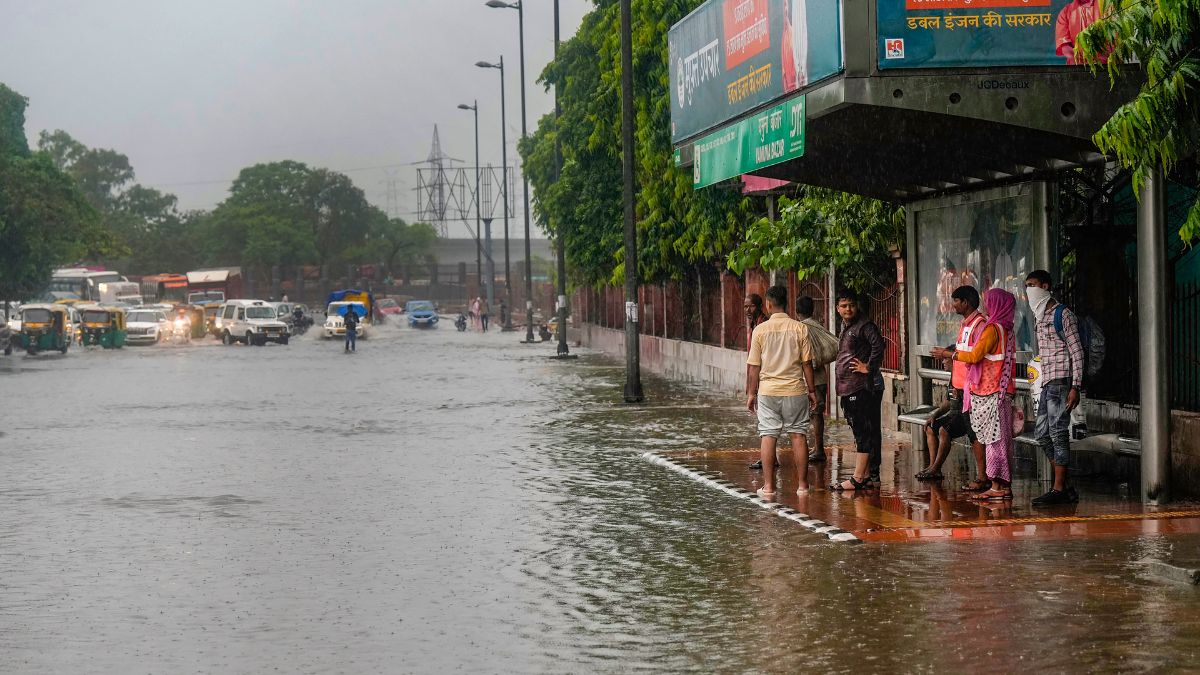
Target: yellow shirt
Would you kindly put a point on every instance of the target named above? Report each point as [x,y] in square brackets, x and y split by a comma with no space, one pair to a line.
[779,346]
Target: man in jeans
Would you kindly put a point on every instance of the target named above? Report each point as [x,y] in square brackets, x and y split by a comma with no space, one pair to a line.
[779,388]
[860,386]
[1062,376]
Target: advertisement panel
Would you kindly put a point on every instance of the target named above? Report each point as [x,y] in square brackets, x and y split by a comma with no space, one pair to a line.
[774,135]
[731,56]
[975,33]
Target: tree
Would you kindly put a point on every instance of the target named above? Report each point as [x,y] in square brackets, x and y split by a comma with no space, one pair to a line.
[400,243]
[820,227]
[100,173]
[1160,125]
[45,220]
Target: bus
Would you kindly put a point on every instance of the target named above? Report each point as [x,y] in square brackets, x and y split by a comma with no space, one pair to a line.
[80,283]
[165,288]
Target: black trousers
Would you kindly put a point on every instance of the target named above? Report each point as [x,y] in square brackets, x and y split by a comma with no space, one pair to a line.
[862,409]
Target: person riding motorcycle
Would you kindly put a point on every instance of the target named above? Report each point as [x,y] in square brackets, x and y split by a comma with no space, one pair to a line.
[461,322]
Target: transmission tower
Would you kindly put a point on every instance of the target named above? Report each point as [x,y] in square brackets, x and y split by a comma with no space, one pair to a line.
[437,192]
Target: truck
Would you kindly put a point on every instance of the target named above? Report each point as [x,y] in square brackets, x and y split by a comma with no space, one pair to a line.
[210,288]
[120,293]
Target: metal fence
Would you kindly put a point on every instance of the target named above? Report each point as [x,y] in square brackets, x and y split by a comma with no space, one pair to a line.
[885,310]
[1184,331]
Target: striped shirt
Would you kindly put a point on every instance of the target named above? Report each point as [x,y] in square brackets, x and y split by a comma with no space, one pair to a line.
[1061,359]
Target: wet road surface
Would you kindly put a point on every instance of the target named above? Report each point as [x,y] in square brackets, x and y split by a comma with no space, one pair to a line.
[447,501]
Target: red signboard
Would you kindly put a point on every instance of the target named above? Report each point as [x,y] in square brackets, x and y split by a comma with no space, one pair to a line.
[972,4]
[747,30]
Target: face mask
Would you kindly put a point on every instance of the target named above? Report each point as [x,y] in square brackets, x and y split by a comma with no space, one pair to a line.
[1038,297]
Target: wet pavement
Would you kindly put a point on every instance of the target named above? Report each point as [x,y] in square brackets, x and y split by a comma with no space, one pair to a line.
[446,501]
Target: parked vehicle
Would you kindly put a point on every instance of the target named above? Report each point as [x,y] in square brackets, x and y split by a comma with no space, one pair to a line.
[103,326]
[421,314]
[147,326]
[44,328]
[253,322]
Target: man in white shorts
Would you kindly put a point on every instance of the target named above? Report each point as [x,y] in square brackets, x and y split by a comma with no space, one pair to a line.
[779,388]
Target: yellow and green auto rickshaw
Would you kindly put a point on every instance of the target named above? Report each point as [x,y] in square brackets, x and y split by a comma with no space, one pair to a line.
[104,326]
[44,328]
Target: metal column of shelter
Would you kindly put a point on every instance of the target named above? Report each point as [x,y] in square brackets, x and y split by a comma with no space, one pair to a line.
[1155,413]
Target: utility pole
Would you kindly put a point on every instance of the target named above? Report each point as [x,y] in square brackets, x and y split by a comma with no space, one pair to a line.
[559,245]
[633,375]
[504,189]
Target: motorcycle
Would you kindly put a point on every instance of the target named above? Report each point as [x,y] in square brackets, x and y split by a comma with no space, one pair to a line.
[461,323]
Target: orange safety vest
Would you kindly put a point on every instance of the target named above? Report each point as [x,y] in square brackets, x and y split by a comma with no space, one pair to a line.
[993,370]
[958,369]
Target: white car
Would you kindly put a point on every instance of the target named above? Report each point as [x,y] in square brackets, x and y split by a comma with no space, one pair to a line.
[335,324]
[146,326]
[253,322]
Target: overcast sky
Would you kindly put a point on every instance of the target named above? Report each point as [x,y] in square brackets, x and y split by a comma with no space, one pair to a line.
[194,91]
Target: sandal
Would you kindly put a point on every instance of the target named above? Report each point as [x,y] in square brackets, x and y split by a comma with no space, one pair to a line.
[854,485]
[991,496]
[977,486]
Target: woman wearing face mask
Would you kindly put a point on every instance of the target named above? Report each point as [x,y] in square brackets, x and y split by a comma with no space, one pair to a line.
[990,388]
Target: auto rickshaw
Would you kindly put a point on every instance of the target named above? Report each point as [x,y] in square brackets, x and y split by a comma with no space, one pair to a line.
[104,326]
[45,327]
[197,317]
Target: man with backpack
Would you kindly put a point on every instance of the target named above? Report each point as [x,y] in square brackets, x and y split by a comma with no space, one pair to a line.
[1062,369]
[825,350]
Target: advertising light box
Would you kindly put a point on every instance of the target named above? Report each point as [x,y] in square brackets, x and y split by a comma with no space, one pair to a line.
[981,33]
[732,56]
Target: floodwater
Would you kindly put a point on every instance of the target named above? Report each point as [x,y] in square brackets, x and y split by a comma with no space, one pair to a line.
[447,501]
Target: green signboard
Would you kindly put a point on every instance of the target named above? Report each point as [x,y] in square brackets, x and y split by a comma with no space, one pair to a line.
[772,136]
[729,57]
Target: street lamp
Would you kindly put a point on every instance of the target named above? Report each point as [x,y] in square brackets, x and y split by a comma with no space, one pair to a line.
[520,7]
[504,185]
[490,280]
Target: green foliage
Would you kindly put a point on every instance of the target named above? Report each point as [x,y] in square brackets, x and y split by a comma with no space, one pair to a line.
[400,243]
[820,227]
[1159,126]
[100,173]
[676,225]
[45,221]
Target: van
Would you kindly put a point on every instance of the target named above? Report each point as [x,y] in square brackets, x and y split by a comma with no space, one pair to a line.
[253,322]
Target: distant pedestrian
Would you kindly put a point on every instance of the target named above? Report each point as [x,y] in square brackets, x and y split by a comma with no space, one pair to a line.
[780,388]
[474,312]
[860,386]
[949,421]
[1061,350]
[991,384]
[283,298]
[503,313]
[485,310]
[825,350]
[351,323]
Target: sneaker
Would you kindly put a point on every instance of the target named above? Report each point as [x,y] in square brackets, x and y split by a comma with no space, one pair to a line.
[1052,498]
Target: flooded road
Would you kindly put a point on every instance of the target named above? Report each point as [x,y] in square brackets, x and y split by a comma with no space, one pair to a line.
[449,501]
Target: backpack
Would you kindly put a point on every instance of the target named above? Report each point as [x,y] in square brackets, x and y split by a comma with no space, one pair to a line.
[1090,337]
[824,346]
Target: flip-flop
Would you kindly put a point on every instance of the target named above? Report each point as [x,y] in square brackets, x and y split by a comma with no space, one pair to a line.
[803,491]
[985,497]
[977,486]
[761,492]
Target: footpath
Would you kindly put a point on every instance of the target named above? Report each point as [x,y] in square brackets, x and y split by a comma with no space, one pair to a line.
[904,509]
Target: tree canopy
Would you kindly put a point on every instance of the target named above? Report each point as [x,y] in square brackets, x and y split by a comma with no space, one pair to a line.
[1161,125]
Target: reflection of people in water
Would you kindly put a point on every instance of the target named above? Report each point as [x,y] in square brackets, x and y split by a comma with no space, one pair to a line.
[1077,15]
[795,44]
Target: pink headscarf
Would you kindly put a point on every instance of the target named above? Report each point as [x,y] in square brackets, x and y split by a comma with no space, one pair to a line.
[1001,311]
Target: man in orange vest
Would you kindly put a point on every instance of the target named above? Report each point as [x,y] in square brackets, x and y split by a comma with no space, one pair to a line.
[950,422]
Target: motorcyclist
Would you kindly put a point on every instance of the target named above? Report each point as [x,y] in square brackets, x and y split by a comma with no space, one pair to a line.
[461,322]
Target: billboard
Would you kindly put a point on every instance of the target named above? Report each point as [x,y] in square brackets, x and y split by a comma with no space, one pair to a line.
[769,137]
[974,33]
[731,56]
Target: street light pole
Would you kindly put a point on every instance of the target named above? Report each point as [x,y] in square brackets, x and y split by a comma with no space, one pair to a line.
[504,190]
[559,246]
[520,7]
[489,281]
[633,375]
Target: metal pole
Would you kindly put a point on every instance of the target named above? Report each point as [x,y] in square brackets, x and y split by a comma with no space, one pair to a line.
[559,246]
[504,188]
[525,186]
[488,281]
[1154,417]
[633,375]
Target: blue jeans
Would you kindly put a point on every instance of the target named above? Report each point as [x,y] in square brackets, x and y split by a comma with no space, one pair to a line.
[1053,427]
[350,335]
